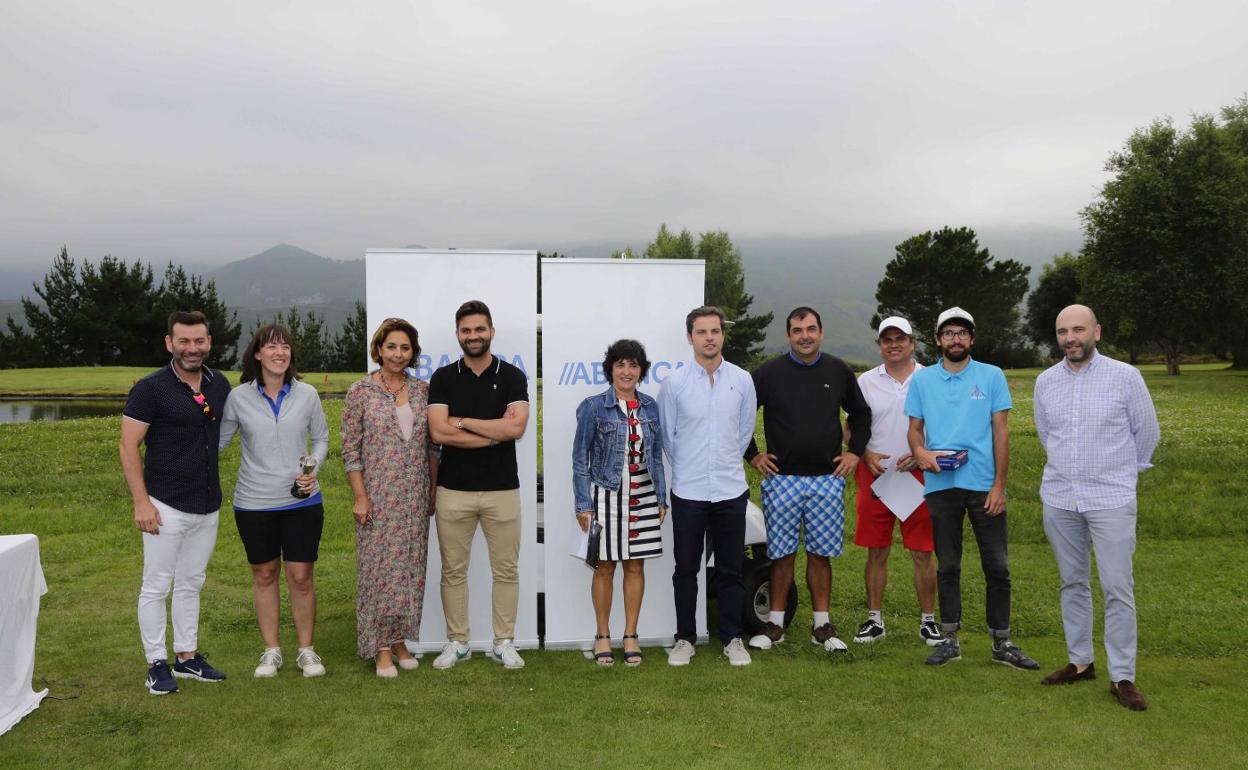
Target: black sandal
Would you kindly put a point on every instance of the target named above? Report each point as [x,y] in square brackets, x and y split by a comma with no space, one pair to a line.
[632,658]
[606,657]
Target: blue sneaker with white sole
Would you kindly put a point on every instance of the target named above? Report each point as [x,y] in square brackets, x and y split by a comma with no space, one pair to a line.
[160,679]
[197,668]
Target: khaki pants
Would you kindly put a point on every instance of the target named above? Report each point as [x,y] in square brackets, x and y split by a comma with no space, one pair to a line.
[499,515]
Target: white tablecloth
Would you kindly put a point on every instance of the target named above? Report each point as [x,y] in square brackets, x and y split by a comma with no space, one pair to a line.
[21,585]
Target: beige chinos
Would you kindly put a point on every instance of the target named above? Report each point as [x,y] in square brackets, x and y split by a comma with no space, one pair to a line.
[458,514]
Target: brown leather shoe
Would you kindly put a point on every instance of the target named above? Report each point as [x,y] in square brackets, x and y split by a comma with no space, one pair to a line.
[770,634]
[1069,674]
[1128,695]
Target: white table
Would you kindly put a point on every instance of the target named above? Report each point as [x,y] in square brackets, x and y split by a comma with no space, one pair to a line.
[21,585]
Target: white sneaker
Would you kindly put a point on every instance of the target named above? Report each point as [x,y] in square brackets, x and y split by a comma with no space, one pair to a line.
[309,662]
[451,654]
[270,662]
[681,653]
[505,653]
[736,653]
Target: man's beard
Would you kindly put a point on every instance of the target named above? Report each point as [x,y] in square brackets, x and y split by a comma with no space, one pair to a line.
[485,348]
[958,357]
[187,367]
[1085,351]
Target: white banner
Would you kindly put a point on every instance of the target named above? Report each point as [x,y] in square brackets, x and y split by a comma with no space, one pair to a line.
[426,287]
[586,305]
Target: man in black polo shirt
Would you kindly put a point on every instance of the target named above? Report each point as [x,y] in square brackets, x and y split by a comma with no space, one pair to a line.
[802,394]
[177,493]
[478,409]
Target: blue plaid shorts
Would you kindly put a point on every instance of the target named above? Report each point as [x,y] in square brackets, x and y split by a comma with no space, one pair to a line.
[813,503]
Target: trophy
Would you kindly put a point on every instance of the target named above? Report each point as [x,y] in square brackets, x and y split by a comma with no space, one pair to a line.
[307,464]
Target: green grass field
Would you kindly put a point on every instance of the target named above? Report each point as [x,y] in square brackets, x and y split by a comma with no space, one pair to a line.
[795,707]
[116,381]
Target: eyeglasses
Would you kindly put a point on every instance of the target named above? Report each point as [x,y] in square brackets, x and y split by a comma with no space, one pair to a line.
[202,400]
[952,334]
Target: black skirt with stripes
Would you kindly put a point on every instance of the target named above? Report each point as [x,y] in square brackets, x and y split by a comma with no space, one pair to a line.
[629,517]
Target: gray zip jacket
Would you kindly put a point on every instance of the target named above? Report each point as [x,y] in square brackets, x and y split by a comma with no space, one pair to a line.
[273,444]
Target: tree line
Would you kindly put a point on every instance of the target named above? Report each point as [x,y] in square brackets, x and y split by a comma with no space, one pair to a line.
[1165,254]
[113,313]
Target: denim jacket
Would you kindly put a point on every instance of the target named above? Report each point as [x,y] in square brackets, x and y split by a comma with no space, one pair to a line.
[599,447]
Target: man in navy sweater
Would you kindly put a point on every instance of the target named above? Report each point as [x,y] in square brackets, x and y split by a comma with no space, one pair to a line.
[802,394]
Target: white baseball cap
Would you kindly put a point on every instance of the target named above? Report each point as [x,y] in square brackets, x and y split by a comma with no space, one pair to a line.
[954,314]
[894,322]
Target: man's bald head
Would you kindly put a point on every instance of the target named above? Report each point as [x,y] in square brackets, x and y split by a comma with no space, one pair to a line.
[1077,334]
[1072,313]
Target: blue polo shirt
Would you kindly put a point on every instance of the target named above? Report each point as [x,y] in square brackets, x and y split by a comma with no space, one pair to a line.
[957,411]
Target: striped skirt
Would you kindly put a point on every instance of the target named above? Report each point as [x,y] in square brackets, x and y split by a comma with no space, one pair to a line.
[629,517]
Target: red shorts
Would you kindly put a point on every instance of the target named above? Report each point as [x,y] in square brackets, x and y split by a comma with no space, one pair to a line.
[875,520]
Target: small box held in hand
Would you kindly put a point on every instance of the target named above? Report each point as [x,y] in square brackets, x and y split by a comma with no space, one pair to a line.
[950,459]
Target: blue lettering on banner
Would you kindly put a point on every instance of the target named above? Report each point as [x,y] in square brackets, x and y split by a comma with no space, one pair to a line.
[591,373]
[425,366]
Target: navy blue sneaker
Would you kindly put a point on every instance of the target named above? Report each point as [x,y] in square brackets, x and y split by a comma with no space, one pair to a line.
[159,679]
[197,668]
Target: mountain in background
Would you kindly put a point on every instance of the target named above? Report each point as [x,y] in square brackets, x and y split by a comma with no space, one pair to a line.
[835,274]
[288,275]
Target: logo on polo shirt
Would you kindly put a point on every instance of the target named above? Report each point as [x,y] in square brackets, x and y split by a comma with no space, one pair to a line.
[977,394]
[425,366]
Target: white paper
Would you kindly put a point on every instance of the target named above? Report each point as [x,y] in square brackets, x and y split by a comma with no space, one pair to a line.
[579,542]
[900,491]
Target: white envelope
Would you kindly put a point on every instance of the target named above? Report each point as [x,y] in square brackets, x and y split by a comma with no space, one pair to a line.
[900,491]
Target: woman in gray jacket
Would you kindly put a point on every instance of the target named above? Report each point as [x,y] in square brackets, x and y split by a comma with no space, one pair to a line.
[277,502]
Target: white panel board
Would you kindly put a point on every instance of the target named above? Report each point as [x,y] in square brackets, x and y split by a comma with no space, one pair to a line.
[586,305]
[426,286]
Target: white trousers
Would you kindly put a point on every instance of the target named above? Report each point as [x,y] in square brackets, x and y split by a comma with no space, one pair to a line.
[178,558]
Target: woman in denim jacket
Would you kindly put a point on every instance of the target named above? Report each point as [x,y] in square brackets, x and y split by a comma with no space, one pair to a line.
[617,480]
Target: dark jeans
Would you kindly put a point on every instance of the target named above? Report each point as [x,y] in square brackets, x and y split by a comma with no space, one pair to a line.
[725,522]
[991,533]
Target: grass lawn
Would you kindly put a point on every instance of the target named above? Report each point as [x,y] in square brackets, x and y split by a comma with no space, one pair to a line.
[875,706]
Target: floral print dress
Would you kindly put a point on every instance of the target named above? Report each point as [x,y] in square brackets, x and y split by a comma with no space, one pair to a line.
[391,549]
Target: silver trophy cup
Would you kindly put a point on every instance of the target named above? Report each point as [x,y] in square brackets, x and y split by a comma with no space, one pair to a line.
[307,464]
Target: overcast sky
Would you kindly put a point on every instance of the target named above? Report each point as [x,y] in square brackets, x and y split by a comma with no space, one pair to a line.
[211,131]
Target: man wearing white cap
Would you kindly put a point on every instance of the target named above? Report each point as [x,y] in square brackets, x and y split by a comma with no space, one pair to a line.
[961,407]
[885,388]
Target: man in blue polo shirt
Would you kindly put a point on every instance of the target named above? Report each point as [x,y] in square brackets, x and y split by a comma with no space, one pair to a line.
[962,404]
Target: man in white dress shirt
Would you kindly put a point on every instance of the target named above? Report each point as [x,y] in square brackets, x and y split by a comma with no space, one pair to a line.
[1096,421]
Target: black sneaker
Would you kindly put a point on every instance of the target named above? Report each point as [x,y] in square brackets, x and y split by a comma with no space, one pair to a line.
[930,632]
[159,679]
[197,668]
[946,652]
[869,632]
[1008,653]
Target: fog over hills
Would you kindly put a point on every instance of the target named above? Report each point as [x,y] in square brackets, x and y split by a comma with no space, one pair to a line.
[836,275]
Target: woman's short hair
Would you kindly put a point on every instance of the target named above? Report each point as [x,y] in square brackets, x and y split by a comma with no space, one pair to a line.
[383,331]
[625,350]
[273,332]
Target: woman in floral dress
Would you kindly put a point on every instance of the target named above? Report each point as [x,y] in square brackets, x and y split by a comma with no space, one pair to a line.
[392,468]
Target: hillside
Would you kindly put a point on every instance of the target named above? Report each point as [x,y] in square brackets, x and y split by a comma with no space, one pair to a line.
[836,275]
